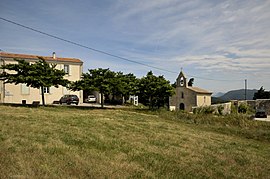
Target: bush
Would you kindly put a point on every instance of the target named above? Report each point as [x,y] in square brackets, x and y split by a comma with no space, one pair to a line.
[220,109]
[243,108]
[204,110]
[234,109]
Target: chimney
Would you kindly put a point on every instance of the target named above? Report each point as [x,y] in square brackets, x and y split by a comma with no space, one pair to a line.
[54,55]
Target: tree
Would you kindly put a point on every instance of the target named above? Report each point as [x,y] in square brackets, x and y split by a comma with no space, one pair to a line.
[154,91]
[190,82]
[261,94]
[96,79]
[37,75]
[124,85]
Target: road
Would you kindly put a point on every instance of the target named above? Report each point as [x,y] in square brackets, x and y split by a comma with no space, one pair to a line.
[99,105]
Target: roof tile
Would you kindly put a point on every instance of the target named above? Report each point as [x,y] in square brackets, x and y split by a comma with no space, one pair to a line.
[25,56]
[199,90]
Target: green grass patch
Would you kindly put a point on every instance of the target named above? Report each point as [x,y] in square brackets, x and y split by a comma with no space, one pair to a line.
[66,142]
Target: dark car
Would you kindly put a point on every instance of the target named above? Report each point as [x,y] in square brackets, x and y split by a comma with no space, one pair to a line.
[261,114]
[69,99]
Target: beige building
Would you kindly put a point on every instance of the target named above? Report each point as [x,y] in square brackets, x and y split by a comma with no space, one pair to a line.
[11,93]
[186,97]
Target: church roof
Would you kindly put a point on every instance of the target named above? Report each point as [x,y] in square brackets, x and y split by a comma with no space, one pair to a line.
[181,74]
[199,90]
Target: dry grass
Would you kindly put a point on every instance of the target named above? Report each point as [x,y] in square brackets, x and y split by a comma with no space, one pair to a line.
[65,142]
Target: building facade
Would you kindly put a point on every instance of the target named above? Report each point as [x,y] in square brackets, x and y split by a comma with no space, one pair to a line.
[186,97]
[11,93]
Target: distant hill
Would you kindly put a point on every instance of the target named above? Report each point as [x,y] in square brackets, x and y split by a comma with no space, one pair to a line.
[216,100]
[218,94]
[238,95]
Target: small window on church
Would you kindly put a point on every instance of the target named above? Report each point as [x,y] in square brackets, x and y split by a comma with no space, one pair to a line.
[182,94]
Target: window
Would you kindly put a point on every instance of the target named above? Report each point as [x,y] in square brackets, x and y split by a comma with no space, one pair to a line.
[66,69]
[46,90]
[25,89]
[182,94]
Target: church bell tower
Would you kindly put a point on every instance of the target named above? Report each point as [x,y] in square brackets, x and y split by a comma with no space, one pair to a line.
[181,80]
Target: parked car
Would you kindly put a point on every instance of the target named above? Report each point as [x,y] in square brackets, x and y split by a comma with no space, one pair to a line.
[91,98]
[261,114]
[69,99]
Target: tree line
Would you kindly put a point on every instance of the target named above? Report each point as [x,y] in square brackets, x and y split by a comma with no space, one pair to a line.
[153,91]
[261,94]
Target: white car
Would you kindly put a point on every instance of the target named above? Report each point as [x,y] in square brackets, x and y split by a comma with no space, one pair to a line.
[91,99]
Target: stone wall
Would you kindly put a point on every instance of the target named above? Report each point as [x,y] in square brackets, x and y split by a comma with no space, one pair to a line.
[258,104]
[226,108]
[263,104]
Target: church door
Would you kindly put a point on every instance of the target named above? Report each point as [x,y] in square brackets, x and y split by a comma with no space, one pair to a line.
[182,106]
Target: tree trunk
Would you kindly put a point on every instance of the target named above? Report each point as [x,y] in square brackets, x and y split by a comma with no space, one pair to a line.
[123,100]
[150,103]
[42,95]
[102,101]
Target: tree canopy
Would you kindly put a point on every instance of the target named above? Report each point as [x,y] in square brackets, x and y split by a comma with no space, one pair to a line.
[190,82]
[95,79]
[154,90]
[37,75]
[261,94]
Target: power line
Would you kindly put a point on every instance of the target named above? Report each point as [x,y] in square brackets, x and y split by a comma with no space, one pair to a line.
[212,79]
[80,45]
[103,52]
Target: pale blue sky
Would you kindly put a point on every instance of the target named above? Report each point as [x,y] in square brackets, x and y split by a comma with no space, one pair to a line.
[225,40]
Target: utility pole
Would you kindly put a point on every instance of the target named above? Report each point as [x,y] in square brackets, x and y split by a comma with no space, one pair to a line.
[245,89]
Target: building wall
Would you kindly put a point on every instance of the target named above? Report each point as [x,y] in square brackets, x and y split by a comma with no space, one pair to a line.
[1,84]
[185,96]
[227,108]
[16,93]
[203,100]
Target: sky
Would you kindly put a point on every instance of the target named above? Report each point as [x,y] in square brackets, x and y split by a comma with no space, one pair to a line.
[218,43]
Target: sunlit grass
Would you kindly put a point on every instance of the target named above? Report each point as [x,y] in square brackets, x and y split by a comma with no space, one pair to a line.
[62,142]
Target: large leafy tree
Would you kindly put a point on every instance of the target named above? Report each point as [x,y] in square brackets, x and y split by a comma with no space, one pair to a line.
[37,75]
[96,79]
[130,85]
[154,90]
[123,85]
[262,94]
[107,83]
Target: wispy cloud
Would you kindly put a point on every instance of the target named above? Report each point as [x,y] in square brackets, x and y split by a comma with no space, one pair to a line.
[208,38]
[210,35]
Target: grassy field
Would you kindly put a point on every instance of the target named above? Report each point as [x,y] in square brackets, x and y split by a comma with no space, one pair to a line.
[62,142]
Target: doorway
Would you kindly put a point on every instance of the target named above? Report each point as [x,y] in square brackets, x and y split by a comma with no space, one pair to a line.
[182,106]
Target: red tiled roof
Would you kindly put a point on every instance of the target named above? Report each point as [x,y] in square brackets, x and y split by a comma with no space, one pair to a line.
[34,57]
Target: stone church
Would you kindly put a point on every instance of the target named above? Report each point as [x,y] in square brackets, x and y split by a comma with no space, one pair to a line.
[186,97]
